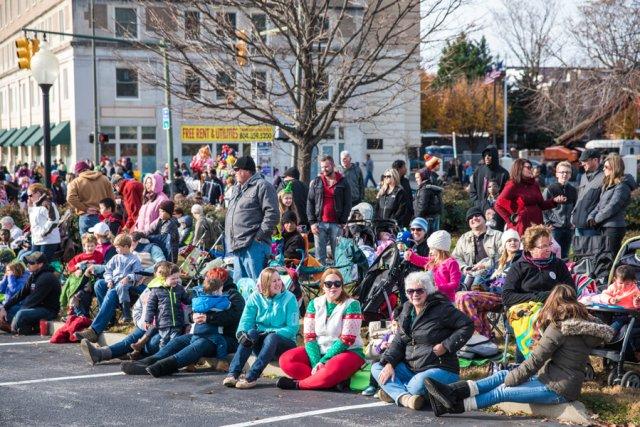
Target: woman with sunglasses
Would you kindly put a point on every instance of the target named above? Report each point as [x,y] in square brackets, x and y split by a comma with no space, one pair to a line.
[392,202]
[43,220]
[332,352]
[520,203]
[430,332]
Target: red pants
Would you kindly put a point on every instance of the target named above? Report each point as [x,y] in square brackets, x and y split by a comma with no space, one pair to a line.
[296,364]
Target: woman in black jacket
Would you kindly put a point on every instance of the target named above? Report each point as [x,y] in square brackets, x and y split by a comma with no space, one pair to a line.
[428,199]
[430,332]
[535,274]
[392,201]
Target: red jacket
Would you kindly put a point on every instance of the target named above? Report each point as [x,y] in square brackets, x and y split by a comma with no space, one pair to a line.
[94,258]
[526,201]
[131,192]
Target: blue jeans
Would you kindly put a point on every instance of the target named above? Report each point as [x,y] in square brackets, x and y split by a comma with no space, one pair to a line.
[124,346]
[249,261]
[368,178]
[25,320]
[327,233]
[563,237]
[492,390]
[188,349]
[108,300]
[266,348]
[85,222]
[405,381]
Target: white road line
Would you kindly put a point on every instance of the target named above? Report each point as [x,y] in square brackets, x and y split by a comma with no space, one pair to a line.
[308,414]
[47,380]
[22,343]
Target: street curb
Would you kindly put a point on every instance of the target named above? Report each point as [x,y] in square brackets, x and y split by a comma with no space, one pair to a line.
[574,412]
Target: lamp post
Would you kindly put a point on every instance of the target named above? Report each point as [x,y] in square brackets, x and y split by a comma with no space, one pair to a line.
[45,68]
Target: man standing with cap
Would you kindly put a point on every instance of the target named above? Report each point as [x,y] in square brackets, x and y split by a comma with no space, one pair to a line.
[251,218]
[588,193]
[353,175]
[131,192]
[84,194]
[476,249]
[300,193]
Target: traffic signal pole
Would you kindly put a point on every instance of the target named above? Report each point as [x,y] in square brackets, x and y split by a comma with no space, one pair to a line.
[167,100]
[96,116]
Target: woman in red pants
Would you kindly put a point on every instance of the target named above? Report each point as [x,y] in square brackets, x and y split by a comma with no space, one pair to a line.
[333,347]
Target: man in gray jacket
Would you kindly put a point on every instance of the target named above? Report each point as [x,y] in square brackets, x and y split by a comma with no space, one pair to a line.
[588,193]
[251,217]
[353,175]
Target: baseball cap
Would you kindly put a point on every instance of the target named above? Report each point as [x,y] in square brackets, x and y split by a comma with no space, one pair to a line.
[35,258]
[589,154]
[100,228]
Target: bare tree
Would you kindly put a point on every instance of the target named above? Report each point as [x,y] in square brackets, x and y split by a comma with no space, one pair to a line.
[309,63]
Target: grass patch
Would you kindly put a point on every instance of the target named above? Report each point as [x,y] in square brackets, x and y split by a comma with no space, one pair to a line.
[614,405]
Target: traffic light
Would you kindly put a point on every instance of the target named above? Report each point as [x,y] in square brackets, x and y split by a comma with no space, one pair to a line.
[242,52]
[103,138]
[25,49]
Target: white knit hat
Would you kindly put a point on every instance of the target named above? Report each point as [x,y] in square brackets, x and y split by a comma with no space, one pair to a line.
[509,234]
[440,240]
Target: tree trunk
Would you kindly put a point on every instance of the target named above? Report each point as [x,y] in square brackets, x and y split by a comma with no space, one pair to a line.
[305,150]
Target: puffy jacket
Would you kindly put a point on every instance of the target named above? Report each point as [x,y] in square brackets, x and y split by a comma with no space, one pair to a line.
[277,314]
[526,281]
[164,304]
[229,319]
[560,216]
[252,214]
[150,210]
[354,178]
[465,250]
[560,356]
[393,205]
[300,194]
[341,198]
[408,194]
[42,290]
[483,174]
[588,196]
[612,206]
[428,201]
[87,190]
[525,201]
[439,322]
[131,192]
[44,221]
[166,232]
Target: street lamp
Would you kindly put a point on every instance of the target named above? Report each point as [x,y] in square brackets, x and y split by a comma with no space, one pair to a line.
[45,68]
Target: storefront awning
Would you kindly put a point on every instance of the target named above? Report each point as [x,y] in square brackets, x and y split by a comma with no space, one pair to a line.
[26,134]
[36,138]
[15,137]
[61,134]
[5,136]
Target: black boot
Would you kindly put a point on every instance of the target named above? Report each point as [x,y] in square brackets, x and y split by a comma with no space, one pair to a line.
[439,409]
[137,367]
[286,383]
[166,366]
[447,399]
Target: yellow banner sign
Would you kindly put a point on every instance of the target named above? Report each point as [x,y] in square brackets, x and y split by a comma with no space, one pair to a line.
[226,133]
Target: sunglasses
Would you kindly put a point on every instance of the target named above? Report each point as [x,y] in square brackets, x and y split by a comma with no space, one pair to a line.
[30,195]
[332,284]
[418,291]
[417,229]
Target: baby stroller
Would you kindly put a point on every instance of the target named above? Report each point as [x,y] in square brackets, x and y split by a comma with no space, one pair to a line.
[359,225]
[378,290]
[593,257]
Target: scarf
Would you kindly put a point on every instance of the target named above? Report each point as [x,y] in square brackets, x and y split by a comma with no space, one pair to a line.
[540,263]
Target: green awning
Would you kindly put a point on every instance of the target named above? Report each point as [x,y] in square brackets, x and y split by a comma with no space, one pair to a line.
[5,136]
[15,137]
[24,136]
[36,138]
[2,132]
[61,134]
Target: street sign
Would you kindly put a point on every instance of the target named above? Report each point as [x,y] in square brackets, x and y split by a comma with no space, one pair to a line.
[166,119]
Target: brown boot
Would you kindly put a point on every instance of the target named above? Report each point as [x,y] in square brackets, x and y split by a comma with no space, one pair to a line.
[222,366]
[412,401]
[4,326]
[139,345]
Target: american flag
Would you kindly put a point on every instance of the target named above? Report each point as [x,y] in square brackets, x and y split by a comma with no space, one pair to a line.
[496,72]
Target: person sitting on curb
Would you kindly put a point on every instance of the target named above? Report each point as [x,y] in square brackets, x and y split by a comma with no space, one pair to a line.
[333,347]
[268,328]
[38,299]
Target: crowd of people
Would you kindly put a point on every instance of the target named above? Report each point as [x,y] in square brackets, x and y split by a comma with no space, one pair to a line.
[133,233]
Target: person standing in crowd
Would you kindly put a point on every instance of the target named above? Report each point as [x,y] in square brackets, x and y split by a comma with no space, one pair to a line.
[84,194]
[353,175]
[44,219]
[179,186]
[560,217]
[328,207]
[300,193]
[588,193]
[368,166]
[391,201]
[401,167]
[489,171]
[610,211]
[250,220]
[131,192]
[428,201]
[520,203]
[212,188]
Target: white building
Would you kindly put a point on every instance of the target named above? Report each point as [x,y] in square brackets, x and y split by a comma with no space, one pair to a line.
[129,110]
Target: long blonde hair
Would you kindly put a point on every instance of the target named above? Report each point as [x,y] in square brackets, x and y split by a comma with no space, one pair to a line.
[264,281]
[437,257]
[283,207]
[617,170]
[384,188]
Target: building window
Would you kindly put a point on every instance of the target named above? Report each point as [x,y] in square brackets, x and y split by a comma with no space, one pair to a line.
[110,131]
[192,25]
[126,83]
[260,22]
[191,84]
[129,132]
[374,144]
[259,84]
[148,132]
[225,86]
[126,22]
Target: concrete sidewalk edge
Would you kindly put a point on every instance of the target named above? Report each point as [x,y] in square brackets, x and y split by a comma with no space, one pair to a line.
[573,412]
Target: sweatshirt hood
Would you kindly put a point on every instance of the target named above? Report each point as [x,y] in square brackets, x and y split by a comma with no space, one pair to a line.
[91,175]
[157,180]
[591,329]
[493,151]
[629,181]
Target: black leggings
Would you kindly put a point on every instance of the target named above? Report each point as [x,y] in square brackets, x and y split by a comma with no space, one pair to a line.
[614,236]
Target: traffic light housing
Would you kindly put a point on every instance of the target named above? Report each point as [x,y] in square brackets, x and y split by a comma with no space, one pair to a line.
[242,51]
[25,49]
[103,138]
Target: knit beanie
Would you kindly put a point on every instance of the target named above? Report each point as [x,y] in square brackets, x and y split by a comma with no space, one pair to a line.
[81,166]
[419,222]
[440,240]
[167,206]
[289,216]
[509,234]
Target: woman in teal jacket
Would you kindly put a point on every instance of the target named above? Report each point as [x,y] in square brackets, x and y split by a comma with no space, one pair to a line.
[268,327]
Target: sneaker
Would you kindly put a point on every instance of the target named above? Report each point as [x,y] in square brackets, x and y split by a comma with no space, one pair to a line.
[244,384]
[88,334]
[286,383]
[382,395]
[369,391]
[230,381]
[413,401]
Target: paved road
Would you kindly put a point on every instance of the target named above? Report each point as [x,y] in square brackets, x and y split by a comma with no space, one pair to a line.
[28,396]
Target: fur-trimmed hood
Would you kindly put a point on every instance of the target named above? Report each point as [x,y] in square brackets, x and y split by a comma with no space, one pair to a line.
[589,328]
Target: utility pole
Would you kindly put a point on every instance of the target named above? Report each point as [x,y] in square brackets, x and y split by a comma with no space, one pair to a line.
[167,100]
[96,143]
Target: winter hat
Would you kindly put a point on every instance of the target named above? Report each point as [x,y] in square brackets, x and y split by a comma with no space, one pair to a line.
[289,216]
[167,206]
[116,178]
[420,223]
[292,173]
[245,163]
[440,240]
[509,234]
[81,166]
[473,211]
